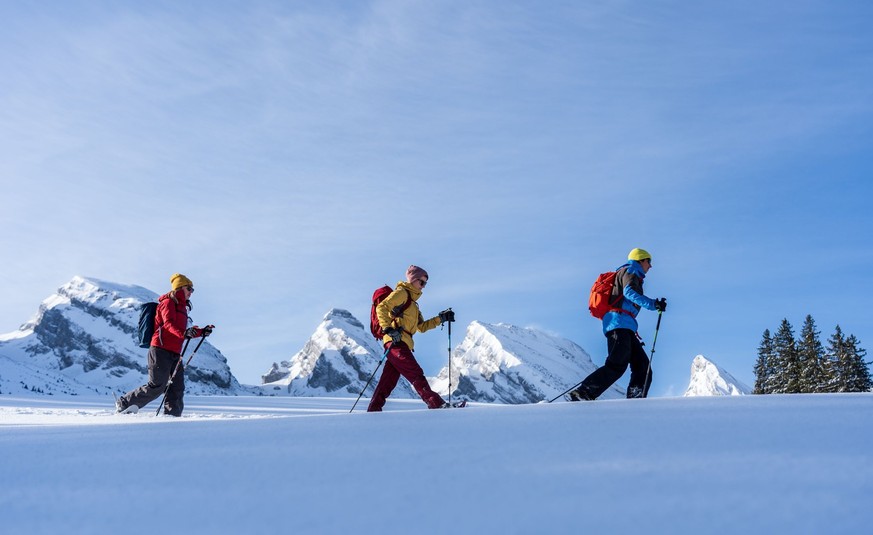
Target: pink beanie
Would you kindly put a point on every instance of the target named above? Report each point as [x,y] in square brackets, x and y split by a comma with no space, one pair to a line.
[414,273]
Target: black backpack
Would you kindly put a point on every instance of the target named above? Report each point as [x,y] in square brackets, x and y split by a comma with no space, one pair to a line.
[146,327]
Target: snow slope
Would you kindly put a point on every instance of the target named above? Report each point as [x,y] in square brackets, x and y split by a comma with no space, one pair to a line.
[748,464]
[709,379]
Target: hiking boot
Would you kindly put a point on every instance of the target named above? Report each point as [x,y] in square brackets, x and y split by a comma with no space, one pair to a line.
[122,408]
[578,395]
[635,392]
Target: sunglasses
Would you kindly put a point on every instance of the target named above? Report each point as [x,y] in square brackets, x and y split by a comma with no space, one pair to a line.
[423,282]
[190,288]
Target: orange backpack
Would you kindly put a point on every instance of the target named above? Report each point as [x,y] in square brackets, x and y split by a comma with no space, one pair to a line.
[601,292]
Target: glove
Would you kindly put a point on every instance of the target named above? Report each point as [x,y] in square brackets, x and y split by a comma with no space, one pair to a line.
[395,334]
[447,315]
[208,330]
[661,304]
[193,332]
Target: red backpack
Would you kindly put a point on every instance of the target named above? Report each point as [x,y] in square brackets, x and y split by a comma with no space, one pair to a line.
[601,293]
[378,296]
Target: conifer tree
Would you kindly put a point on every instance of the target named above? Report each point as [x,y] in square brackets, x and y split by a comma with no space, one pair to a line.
[810,354]
[786,365]
[764,365]
[858,374]
[786,376]
[836,359]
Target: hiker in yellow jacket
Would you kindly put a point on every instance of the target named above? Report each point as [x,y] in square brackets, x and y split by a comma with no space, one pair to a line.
[400,318]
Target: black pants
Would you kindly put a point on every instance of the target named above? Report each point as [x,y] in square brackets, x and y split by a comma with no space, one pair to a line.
[161,365]
[625,350]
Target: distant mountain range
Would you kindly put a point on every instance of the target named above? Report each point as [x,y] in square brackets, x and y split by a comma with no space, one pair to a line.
[493,363]
[82,340]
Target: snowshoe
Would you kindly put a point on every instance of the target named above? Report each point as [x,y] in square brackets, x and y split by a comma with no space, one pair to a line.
[121,408]
[130,409]
[455,404]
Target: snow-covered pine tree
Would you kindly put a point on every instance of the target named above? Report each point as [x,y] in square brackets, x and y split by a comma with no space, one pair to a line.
[764,365]
[835,357]
[786,376]
[858,376]
[810,354]
[787,365]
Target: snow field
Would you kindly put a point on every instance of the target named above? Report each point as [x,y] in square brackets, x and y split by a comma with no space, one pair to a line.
[754,464]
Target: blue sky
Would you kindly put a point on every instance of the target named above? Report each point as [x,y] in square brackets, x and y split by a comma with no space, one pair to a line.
[290,157]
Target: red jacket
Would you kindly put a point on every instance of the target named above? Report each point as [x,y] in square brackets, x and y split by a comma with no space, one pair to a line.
[171,320]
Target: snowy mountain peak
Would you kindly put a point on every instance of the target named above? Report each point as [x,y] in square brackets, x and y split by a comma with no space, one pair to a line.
[82,338]
[708,379]
[337,359]
[93,290]
[341,316]
[510,364]
[91,295]
[495,344]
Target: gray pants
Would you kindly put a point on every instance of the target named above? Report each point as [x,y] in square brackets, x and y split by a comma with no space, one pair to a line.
[161,364]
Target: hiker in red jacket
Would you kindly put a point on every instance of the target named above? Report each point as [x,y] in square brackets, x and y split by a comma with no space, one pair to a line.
[171,330]
[398,340]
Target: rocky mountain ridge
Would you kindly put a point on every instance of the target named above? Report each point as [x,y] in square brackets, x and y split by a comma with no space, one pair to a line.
[82,340]
[494,363]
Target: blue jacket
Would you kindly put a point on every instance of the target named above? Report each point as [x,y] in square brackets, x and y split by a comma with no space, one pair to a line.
[629,283]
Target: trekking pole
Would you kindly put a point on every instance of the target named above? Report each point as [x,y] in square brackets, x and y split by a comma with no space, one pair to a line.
[385,354]
[649,370]
[450,361]
[565,391]
[176,369]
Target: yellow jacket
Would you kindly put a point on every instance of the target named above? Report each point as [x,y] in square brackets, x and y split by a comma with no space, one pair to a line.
[411,321]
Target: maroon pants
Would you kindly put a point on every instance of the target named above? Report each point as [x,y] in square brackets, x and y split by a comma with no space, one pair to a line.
[400,361]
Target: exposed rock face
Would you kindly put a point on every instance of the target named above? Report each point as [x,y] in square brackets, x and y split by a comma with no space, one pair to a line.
[337,360]
[508,364]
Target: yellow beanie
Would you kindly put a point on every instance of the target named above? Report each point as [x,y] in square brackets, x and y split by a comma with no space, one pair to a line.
[178,280]
[639,255]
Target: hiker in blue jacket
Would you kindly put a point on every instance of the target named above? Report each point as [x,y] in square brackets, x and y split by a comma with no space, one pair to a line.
[620,327]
